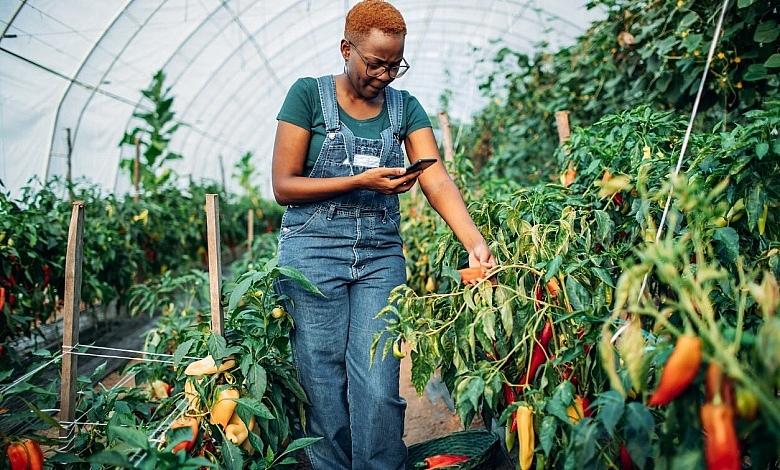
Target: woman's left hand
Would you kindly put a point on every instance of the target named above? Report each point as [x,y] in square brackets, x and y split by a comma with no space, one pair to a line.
[480,256]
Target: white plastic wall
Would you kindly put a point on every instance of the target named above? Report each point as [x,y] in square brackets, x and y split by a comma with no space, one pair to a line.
[80,65]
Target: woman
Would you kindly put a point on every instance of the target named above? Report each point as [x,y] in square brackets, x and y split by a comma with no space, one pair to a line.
[339,167]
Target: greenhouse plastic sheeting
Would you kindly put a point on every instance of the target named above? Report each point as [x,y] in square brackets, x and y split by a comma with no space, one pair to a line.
[71,72]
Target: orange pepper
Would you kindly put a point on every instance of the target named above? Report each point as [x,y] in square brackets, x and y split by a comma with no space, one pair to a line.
[680,370]
[720,438]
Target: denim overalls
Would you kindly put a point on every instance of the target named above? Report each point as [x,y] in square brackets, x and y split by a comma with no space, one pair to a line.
[349,246]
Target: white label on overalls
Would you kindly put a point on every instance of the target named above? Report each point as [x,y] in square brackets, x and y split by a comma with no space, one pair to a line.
[367,161]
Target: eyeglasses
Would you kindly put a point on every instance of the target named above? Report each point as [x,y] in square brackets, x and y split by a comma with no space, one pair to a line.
[377,70]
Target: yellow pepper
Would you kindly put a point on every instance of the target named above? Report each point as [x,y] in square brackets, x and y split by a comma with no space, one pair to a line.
[236,431]
[525,436]
[224,406]
[762,219]
[207,366]
[576,411]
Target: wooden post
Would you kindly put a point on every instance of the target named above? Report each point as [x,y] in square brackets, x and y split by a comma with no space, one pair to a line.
[446,132]
[222,172]
[562,122]
[69,172]
[72,309]
[215,264]
[250,229]
[137,168]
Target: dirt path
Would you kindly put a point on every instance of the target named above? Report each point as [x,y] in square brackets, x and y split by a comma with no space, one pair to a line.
[427,416]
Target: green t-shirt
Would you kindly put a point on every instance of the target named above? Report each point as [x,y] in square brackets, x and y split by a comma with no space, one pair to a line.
[302,107]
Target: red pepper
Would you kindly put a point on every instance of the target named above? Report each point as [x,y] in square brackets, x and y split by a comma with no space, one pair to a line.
[539,354]
[579,409]
[2,298]
[618,199]
[680,370]
[539,298]
[720,438]
[718,384]
[46,274]
[585,401]
[444,460]
[580,335]
[568,374]
[17,456]
[538,358]
[25,455]
[510,397]
[492,355]
[625,459]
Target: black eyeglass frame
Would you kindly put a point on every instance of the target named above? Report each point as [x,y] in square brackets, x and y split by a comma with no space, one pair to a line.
[403,67]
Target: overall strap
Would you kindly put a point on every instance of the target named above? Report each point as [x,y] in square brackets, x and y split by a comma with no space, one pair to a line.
[395,109]
[330,110]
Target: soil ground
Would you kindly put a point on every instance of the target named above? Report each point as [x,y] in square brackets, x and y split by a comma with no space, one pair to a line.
[429,415]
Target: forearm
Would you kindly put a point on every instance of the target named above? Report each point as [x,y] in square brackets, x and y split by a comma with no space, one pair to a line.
[446,199]
[301,189]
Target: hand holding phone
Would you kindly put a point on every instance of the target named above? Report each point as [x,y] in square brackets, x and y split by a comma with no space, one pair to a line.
[419,165]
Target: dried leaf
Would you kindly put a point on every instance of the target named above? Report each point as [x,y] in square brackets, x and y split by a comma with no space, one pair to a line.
[632,347]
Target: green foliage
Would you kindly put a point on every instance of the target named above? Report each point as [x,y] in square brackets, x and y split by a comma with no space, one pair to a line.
[643,53]
[154,138]
[595,238]
[125,242]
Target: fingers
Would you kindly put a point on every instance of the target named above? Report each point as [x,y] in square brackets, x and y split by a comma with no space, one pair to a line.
[407,178]
[386,172]
[404,187]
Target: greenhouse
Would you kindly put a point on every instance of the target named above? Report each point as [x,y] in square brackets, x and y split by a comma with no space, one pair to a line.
[390,234]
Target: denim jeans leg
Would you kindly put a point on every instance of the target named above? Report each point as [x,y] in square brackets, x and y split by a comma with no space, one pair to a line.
[376,408]
[319,347]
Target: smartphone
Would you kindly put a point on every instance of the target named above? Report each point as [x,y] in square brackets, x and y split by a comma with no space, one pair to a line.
[419,165]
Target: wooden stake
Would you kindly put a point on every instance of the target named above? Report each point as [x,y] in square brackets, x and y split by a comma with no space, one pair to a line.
[72,309]
[562,122]
[250,229]
[215,264]
[69,172]
[446,132]
[137,168]
[222,172]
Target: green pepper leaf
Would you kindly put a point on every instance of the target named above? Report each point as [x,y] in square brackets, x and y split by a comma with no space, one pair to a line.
[258,380]
[578,296]
[552,267]
[637,432]
[726,241]
[547,433]
[754,205]
[131,436]
[231,456]
[773,61]
[217,347]
[238,293]
[610,405]
[296,275]
[182,351]
[766,32]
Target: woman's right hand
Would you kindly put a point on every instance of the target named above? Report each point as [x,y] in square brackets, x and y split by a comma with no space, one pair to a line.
[379,179]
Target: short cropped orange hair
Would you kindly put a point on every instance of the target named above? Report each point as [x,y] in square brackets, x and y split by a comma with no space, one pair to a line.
[373,14]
